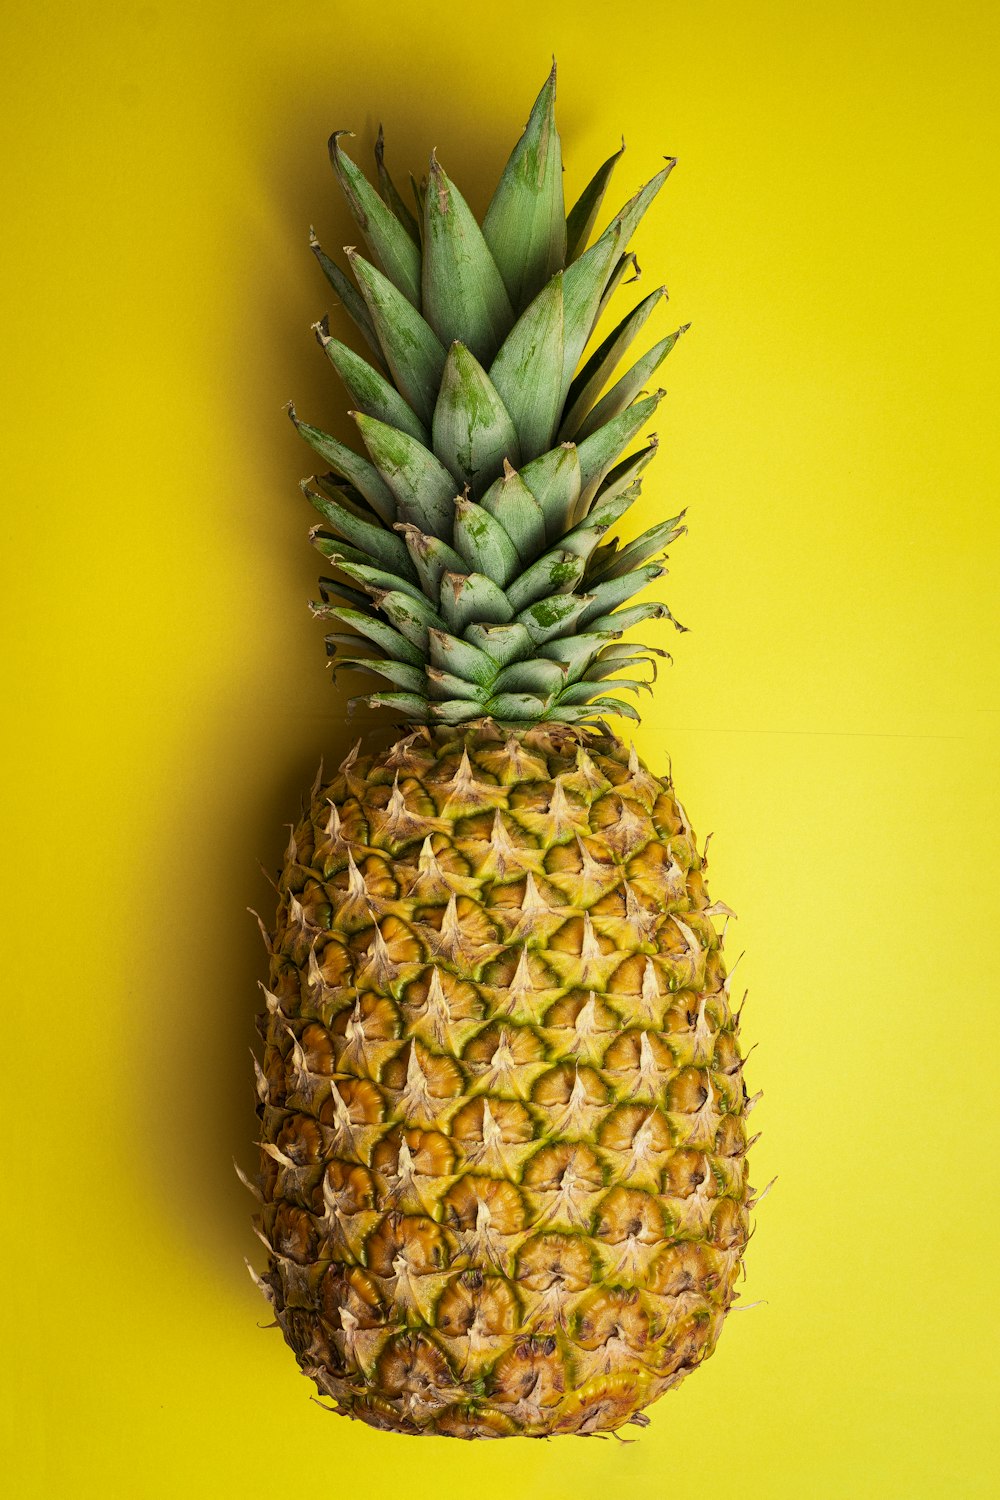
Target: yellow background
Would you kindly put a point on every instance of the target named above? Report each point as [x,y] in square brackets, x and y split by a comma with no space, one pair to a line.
[833,714]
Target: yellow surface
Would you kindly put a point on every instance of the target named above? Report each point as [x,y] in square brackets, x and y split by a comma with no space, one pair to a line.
[833,713]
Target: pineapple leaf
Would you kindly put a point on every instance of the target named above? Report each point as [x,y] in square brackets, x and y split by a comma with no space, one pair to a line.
[554,480]
[463,293]
[431,557]
[614,591]
[525,226]
[353,303]
[369,390]
[397,672]
[375,581]
[371,540]
[632,556]
[583,215]
[590,382]
[351,466]
[552,617]
[395,252]
[624,619]
[334,549]
[424,490]
[409,705]
[501,643]
[625,476]
[412,349]
[539,674]
[558,572]
[583,538]
[391,642]
[576,652]
[445,685]
[511,503]
[451,711]
[598,452]
[619,277]
[483,542]
[473,431]
[518,706]
[583,287]
[582,692]
[528,370]
[468,597]
[387,189]
[411,615]
[628,387]
[460,658]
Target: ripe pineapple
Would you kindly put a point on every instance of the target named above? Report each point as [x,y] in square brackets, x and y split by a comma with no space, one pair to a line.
[503,1178]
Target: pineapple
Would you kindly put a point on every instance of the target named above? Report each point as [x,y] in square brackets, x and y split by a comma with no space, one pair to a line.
[503,1185]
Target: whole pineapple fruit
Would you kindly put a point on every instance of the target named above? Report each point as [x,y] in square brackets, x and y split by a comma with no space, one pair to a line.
[502,1109]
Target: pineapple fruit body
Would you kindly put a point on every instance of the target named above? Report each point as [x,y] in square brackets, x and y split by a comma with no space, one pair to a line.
[503,1115]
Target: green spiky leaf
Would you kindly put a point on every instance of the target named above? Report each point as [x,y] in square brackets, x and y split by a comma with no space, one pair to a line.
[511,503]
[350,465]
[483,543]
[473,431]
[424,490]
[463,293]
[413,352]
[525,226]
[527,372]
[583,215]
[395,252]
[370,391]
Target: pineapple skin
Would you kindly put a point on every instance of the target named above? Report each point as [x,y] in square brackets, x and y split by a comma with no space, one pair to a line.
[503,1119]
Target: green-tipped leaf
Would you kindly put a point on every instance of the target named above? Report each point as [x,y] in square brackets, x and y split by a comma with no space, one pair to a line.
[607,596]
[424,490]
[369,391]
[463,293]
[395,252]
[588,385]
[552,617]
[558,572]
[501,643]
[383,635]
[473,431]
[470,597]
[636,553]
[627,388]
[583,215]
[414,354]
[353,303]
[598,452]
[400,674]
[555,481]
[517,708]
[431,557]
[351,466]
[410,614]
[537,675]
[527,372]
[525,226]
[483,543]
[449,653]
[445,686]
[387,189]
[374,542]
[511,503]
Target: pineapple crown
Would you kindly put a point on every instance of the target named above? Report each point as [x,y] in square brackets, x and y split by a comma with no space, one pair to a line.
[473,570]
